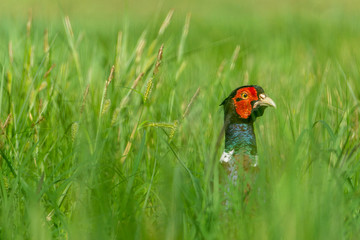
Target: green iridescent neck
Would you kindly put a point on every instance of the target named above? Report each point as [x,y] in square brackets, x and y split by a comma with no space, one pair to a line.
[240,137]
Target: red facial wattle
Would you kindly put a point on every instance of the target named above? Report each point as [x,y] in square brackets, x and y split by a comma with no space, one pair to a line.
[242,101]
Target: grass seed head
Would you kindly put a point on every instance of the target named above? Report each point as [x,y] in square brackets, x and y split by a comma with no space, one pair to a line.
[115,116]
[166,22]
[118,52]
[86,92]
[139,50]
[234,57]
[42,86]
[173,129]
[68,27]
[74,131]
[148,89]
[106,107]
[29,23]
[31,117]
[11,54]
[46,41]
[156,70]
[111,75]
[183,37]
[7,122]
[158,60]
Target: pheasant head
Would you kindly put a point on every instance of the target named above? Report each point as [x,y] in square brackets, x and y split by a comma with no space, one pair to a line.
[241,108]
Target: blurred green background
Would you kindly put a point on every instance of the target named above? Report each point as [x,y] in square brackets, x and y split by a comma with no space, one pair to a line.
[87,153]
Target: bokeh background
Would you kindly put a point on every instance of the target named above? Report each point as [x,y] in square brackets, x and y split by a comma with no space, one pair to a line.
[90,153]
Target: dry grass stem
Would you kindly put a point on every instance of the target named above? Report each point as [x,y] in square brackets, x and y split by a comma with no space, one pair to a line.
[139,50]
[86,92]
[158,60]
[125,100]
[191,102]
[129,143]
[183,37]
[187,24]
[246,77]
[221,69]
[6,123]
[31,117]
[41,119]
[186,112]
[160,124]
[42,86]
[234,57]
[40,107]
[29,23]
[118,52]
[180,70]
[68,27]
[49,71]
[11,54]
[46,41]
[107,83]
[104,104]
[156,70]
[111,76]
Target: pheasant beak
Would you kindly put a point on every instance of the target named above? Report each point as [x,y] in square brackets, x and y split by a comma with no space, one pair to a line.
[264,101]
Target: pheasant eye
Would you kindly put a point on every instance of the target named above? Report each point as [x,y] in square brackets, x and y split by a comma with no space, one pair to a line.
[244,96]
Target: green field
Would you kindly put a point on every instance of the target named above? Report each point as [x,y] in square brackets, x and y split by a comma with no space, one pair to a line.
[94,152]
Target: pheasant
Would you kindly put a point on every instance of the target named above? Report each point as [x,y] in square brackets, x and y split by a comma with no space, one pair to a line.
[241,108]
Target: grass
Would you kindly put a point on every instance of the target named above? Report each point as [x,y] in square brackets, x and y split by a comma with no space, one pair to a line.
[111,132]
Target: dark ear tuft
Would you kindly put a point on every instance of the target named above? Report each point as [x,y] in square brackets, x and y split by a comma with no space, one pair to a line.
[232,94]
[259,89]
[223,102]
